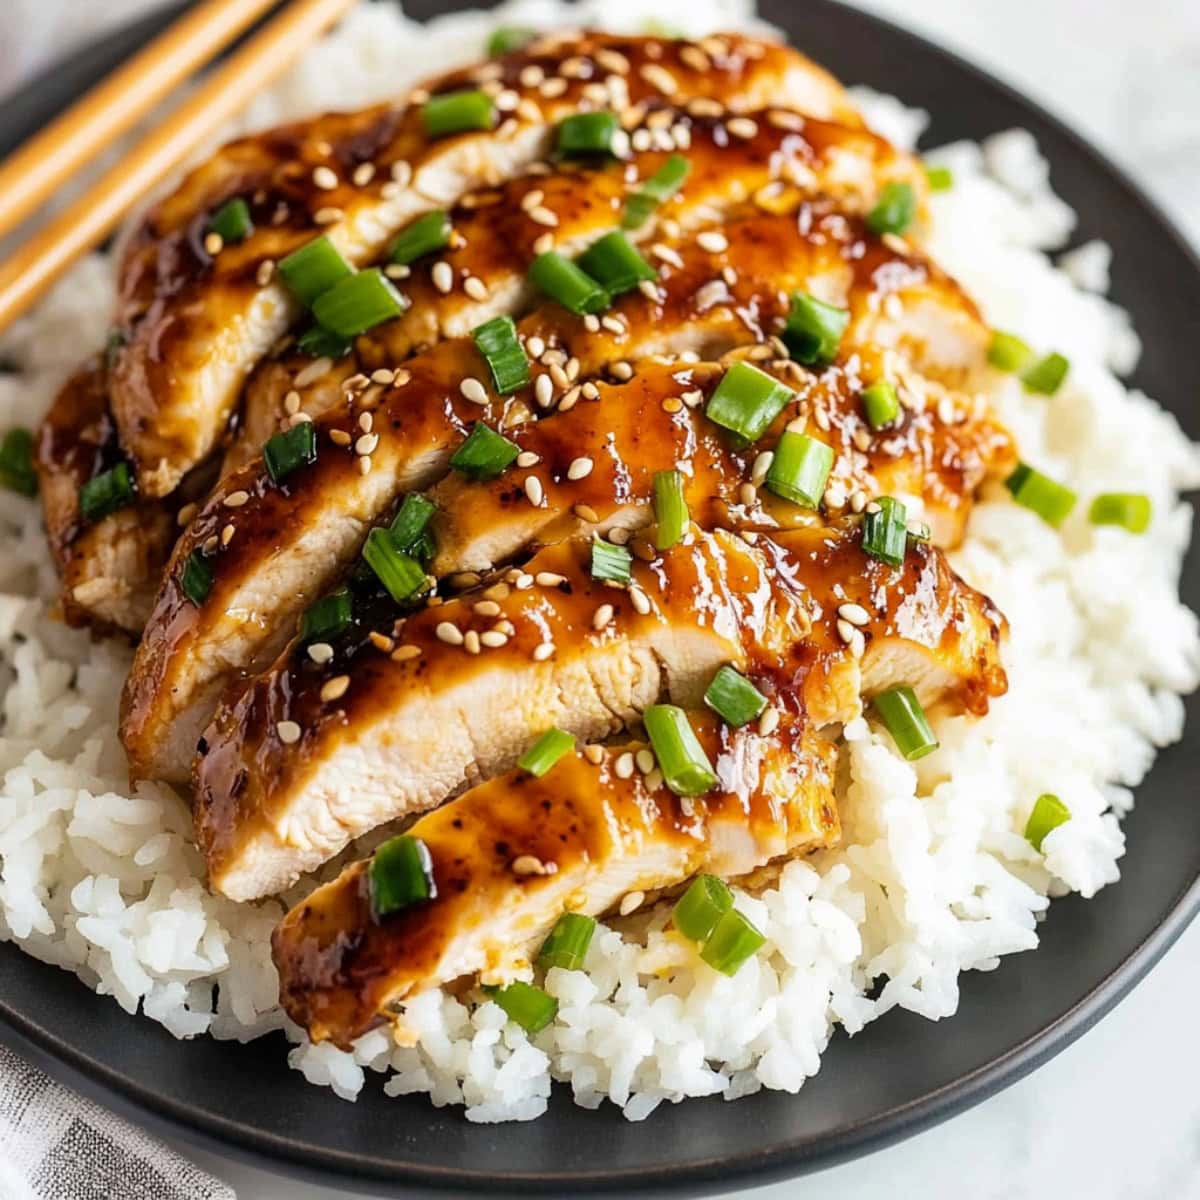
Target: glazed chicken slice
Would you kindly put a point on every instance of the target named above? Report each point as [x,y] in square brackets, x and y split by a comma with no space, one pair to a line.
[595,466]
[200,314]
[111,566]
[285,545]
[405,713]
[596,832]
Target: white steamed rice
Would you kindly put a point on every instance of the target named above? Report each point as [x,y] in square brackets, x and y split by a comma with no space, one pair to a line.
[933,876]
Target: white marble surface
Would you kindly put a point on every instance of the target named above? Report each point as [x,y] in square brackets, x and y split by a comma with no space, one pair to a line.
[1116,1116]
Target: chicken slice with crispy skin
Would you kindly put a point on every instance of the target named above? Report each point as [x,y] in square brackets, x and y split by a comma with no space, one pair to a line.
[313,754]
[288,543]
[597,833]
[200,314]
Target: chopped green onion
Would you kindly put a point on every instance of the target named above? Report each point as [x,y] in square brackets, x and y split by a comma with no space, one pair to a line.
[746,401]
[358,303]
[670,509]
[484,454]
[507,38]
[800,469]
[546,751]
[941,179]
[734,698]
[698,910]
[497,341]
[400,875]
[1052,501]
[422,236]
[231,222]
[895,209]
[16,462]
[529,1006]
[327,618]
[565,282]
[904,717]
[663,29]
[197,578]
[881,404]
[1048,813]
[1046,375]
[1130,510]
[568,943]
[400,573]
[313,269]
[323,343]
[885,531]
[611,562]
[814,329]
[114,341]
[681,758]
[655,190]
[734,940]
[587,133]
[408,525]
[423,549]
[290,450]
[457,112]
[614,264]
[106,493]
[1008,352]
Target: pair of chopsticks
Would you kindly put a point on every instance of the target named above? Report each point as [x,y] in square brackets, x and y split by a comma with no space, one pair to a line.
[30,176]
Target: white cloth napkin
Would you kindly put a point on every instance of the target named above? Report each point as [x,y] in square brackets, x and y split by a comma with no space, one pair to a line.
[57,1145]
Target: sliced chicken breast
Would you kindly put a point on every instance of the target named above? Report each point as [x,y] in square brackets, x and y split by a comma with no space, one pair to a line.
[201,314]
[313,754]
[285,545]
[111,568]
[591,832]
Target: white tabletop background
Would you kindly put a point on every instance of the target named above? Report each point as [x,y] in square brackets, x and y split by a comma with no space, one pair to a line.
[1117,1115]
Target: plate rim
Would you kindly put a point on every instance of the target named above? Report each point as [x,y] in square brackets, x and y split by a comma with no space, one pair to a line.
[169,1116]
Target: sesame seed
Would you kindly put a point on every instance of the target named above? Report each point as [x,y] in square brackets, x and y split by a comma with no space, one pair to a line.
[471,642]
[640,600]
[442,275]
[569,400]
[526,864]
[580,468]
[553,87]
[858,644]
[449,633]
[621,371]
[531,75]
[366,444]
[659,78]
[585,512]
[945,410]
[846,631]
[383,375]
[521,580]
[854,613]
[645,761]
[236,499]
[769,721]
[742,127]
[532,199]
[324,178]
[473,390]
[209,545]
[339,437]
[405,653]
[613,324]
[544,244]
[534,490]
[288,732]
[549,579]
[227,535]
[543,651]
[665,254]
[328,215]
[291,402]
[654,781]
[543,390]
[593,753]
[762,464]
[624,766]
[186,513]
[541,215]
[401,172]
[397,271]
[486,608]
[320,652]
[747,493]
[363,174]
[214,243]
[335,688]
[535,346]
[612,60]
[475,288]
[648,288]
[493,639]
[265,272]
[602,616]
[364,464]
[712,241]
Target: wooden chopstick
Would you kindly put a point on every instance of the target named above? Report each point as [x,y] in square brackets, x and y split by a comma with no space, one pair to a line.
[30,271]
[31,174]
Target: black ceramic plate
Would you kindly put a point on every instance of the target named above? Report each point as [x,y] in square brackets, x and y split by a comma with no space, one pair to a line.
[902,1073]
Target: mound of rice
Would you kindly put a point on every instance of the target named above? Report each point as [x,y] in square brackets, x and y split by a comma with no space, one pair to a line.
[934,876]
